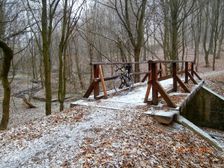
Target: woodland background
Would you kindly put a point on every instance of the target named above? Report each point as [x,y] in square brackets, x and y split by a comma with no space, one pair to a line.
[47,45]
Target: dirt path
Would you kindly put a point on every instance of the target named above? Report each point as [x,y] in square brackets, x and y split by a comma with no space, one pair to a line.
[94,137]
[119,136]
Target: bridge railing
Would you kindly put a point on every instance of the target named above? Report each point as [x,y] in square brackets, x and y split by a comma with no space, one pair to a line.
[154,71]
[100,76]
[155,76]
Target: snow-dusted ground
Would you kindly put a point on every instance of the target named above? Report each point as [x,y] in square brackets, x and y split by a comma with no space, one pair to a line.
[132,99]
[99,137]
[102,132]
[211,74]
[30,146]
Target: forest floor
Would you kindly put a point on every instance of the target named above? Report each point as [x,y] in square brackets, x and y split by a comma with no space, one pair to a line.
[120,135]
[98,137]
[103,137]
[22,85]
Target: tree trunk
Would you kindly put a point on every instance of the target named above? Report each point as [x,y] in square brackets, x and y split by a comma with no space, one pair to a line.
[216,32]
[197,35]
[77,62]
[121,49]
[8,56]
[46,57]
[137,67]
[206,51]
[61,94]
[174,30]
[61,57]
[183,44]
[221,36]
[220,44]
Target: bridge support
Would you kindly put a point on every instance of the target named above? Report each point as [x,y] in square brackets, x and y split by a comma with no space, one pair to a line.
[153,81]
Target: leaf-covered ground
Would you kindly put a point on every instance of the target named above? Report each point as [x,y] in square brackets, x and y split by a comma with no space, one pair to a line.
[120,135]
[216,83]
[98,137]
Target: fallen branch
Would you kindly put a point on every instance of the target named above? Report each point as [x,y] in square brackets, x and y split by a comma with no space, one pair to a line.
[28,103]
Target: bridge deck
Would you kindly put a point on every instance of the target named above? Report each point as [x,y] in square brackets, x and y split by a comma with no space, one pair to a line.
[133,99]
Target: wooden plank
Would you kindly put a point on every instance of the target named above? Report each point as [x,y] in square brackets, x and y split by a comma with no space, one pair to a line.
[174,68]
[147,92]
[196,74]
[144,78]
[168,62]
[141,62]
[182,84]
[117,63]
[192,78]
[106,78]
[165,96]
[186,70]
[169,76]
[149,75]
[102,81]
[154,86]
[99,97]
[90,89]
[138,73]
[96,75]
[192,69]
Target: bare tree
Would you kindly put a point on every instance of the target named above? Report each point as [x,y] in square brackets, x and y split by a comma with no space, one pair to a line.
[215,26]
[45,26]
[68,27]
[7,58]
[132,18]
[196,26]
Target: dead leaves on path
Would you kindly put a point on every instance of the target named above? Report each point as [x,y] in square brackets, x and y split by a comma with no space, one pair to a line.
[137,141]
[145,143]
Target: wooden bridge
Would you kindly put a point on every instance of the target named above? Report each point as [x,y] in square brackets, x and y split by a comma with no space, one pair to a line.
[181,88]
[155,72]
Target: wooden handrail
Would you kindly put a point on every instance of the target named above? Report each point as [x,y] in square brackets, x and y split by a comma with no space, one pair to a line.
[119,63]
[154,74]
[115,76]
[142,62]
[170,61]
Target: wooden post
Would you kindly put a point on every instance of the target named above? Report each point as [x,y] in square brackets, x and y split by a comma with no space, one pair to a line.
[196,74]
[186,70]
[160,70]
[90,89]
[182,84]
[165,96]
[174,65]
[154,86]
[149,83]
[102,81]
[96,76]
[192,69]
[192,78]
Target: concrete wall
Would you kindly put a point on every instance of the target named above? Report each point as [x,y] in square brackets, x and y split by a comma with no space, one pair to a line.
[205,109]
